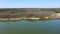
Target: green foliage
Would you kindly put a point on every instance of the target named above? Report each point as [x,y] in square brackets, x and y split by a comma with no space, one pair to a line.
[57,10]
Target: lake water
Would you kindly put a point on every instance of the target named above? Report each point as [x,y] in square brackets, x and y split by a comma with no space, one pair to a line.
[30,27]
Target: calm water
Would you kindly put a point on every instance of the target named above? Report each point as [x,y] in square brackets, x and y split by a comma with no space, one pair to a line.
[30,27]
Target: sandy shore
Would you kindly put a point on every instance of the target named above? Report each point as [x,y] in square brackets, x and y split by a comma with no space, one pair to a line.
[19,18]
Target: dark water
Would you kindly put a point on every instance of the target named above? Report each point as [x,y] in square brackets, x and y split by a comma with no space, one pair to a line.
[30,27]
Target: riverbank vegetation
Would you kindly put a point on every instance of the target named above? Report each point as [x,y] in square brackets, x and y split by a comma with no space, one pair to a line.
[42,13]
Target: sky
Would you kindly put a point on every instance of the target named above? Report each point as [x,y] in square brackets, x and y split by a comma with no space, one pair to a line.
[29,3]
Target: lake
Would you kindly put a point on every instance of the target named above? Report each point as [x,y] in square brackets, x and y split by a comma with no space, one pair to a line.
[30,27]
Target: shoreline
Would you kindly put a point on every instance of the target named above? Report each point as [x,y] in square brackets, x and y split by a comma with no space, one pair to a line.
[3,19]
[53,16]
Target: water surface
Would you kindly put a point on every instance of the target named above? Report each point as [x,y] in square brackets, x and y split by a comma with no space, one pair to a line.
[30,27]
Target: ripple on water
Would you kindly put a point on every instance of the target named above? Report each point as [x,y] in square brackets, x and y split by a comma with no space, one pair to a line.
[30,27]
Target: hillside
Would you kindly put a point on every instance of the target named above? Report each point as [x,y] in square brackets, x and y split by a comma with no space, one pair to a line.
[27,12]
